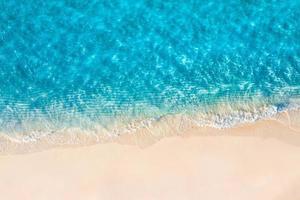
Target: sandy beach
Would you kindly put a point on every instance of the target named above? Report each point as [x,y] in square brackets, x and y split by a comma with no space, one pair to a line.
[149,100]
[253,161]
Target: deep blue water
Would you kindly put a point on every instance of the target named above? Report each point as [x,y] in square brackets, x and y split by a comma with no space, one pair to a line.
[64,60]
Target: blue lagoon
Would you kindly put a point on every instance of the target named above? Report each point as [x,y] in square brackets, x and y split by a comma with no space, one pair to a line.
[106,68]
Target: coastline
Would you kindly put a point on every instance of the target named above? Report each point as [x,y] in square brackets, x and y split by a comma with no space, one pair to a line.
[146,132]
[252,161]
[150,100]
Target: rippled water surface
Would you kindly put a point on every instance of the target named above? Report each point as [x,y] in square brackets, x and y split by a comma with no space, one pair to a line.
[73,63]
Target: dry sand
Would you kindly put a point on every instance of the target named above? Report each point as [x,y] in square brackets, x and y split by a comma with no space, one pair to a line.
[258,161]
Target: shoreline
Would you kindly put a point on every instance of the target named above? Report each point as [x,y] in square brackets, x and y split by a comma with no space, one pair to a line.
[253,161]
[146,135]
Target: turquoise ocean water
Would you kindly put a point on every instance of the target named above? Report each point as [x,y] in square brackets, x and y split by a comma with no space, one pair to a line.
[84,64]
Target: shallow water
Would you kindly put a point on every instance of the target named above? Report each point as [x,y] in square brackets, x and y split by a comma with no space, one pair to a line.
[84,64]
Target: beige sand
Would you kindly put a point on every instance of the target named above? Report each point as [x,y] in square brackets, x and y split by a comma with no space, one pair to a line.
[258,161]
